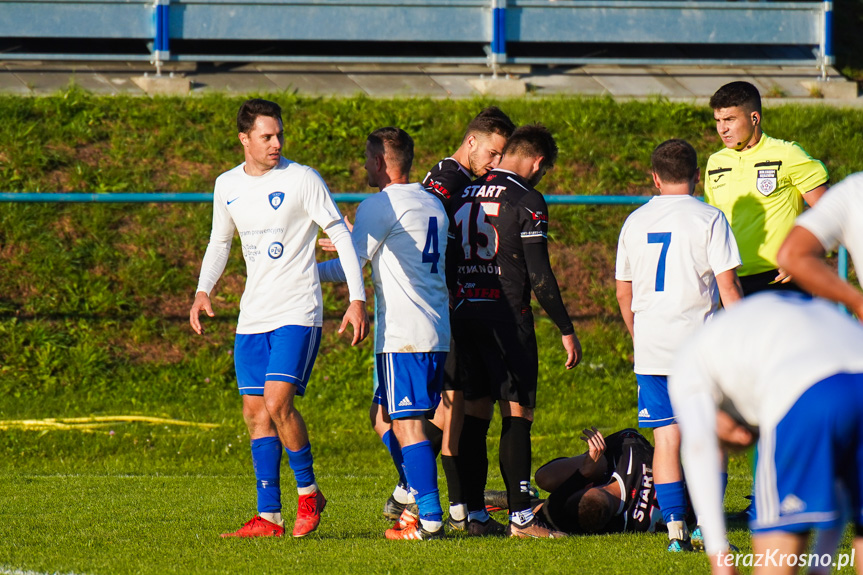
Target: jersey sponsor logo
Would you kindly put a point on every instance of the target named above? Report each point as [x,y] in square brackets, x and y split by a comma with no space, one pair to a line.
[717,178]
[644,493]
[439,188]
[482,191]
[276,199]
[405,402]
[766,181]
[275,250]
[470,291]
[538,216]
[234,200]
[537,234]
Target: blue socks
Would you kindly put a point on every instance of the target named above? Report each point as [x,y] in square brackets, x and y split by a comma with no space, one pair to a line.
[421,471]
[301,464]
[266,459]
[672,501]
[395,449]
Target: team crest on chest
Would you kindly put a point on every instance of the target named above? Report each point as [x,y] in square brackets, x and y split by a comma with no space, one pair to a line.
[276,199]
[766,181]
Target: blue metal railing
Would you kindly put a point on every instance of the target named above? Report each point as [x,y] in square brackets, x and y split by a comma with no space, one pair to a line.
[493,24]
[343,197]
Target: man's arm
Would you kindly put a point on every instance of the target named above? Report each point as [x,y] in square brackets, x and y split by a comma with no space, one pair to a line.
[547,293]
[803,256]
[812,196]
[730,290]
[215,260]
[624,300]
[356,314]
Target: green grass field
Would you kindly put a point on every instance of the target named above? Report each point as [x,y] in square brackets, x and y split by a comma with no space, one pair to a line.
[94,306]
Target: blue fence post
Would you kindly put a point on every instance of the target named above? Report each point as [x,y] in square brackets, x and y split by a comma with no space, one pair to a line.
[827,57]
[498,34]
[161,42]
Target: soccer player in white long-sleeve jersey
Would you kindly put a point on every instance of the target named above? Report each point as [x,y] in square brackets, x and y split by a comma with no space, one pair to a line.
[836,219]
[785,370]
[277,207]
[676,256]
[403,232]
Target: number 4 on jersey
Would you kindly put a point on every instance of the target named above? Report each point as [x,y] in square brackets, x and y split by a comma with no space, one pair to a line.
[663,238]
[431,252]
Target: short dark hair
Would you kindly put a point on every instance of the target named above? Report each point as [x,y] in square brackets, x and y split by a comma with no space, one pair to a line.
[251,109]
[490,121]
[594,512]
[532,140]
[674,161]
[396,143]
[735,94]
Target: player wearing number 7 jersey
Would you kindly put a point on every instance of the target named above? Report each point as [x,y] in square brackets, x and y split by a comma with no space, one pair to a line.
[500,224]
[402,232]
[676,257]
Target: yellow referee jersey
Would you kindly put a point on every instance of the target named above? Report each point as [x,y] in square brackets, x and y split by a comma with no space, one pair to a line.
[760,190]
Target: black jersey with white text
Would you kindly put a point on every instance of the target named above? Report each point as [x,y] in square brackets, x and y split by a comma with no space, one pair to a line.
[630,462]
[446,179]
[490,222]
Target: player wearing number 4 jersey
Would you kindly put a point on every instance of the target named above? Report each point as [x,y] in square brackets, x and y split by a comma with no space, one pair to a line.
[500,224]
[675,257]
[402,231]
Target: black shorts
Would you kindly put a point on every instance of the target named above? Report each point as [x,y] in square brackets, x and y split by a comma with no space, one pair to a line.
[497,360]
[451,381]
[764,282]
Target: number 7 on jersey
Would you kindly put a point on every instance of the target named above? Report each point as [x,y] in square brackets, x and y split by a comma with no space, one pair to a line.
[663,238]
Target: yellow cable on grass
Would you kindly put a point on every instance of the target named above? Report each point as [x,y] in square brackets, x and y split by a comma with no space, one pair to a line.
[94,423]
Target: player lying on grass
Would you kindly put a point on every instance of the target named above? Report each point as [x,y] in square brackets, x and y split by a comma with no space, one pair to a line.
[607,489]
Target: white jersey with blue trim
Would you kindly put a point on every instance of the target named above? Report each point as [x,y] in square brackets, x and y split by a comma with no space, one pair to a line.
[753,362]
[277,216]
[671,249]
[837,218]
[402,230]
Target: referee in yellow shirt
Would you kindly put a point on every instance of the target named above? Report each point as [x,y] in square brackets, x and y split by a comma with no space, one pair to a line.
[760,184]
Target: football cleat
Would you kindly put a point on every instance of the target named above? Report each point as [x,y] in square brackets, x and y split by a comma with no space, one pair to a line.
[456,524]
[679,546]
[407,519]
[485,528]
[414,532]
[393,509]
[534,529]
[697,539]
[309,509]
[495,500]
[257,527]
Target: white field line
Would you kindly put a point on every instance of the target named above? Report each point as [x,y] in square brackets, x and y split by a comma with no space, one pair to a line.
[12,571]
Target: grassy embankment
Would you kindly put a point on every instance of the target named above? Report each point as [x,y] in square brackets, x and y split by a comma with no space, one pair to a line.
[93,322]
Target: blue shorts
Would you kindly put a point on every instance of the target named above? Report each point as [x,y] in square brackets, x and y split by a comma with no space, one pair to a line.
[654,406]
[285,354]
[409,384]
[818,444]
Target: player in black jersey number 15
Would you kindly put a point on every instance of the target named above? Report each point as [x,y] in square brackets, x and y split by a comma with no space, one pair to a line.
[499,225]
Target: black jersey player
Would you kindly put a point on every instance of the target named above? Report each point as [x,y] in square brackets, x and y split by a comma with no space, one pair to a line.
[499,227]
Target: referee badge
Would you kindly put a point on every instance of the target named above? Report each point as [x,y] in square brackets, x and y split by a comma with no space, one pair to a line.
[766,181]
[276,199]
